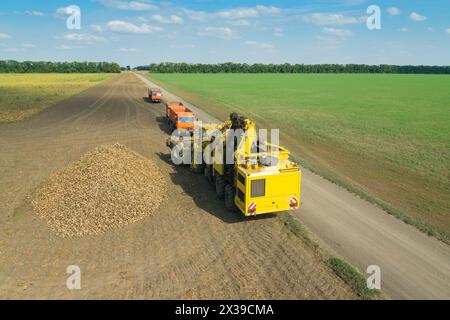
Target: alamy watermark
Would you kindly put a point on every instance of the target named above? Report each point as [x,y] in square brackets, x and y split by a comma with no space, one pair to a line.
[374,280]
[73,282]
[213,146]
[73,22]
[373,21]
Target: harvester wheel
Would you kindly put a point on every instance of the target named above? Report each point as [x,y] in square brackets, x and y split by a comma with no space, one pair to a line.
[229,198]
[220,186]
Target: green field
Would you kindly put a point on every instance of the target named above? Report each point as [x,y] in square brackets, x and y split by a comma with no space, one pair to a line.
[385,137]
[22,95]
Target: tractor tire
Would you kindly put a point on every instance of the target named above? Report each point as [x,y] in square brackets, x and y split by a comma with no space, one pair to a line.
[229,198]
[220,186]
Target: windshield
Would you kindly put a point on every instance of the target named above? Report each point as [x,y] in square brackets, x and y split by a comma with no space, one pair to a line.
[186,119]
[157,94]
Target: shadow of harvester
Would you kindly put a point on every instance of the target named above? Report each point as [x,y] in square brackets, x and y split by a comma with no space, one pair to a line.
[202,192]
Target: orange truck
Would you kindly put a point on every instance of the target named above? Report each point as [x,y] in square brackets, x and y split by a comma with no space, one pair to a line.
[179,117]
[155,95]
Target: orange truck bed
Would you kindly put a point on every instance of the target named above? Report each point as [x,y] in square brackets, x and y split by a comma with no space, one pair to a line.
[179,117]
[155,95]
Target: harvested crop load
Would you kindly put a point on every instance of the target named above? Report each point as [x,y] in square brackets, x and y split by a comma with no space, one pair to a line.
[110,187]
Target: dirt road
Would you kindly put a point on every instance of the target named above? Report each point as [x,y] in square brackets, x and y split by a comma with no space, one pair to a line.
[413,265]
[190,248]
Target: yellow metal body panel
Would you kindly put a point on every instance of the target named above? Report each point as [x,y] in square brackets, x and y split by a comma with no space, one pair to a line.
[219,168]
[280,187]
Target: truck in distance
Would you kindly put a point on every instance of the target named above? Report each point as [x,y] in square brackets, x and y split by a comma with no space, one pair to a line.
[155,95]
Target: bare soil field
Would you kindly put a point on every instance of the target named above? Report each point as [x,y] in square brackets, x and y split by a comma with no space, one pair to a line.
[191,247]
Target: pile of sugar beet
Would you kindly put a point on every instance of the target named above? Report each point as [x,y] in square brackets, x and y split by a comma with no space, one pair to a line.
[107,188]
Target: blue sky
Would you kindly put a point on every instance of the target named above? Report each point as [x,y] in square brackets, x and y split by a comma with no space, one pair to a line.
[143,31]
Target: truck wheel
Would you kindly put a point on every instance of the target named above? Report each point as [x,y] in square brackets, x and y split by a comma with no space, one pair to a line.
[229,198]
[220,186]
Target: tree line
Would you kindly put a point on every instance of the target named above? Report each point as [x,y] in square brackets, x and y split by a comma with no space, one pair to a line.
[229,67]
[11,66]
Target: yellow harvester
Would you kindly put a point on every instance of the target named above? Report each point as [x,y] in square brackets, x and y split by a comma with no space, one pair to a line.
[260,180]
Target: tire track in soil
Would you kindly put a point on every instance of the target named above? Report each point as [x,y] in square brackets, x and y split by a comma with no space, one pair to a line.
[190,248]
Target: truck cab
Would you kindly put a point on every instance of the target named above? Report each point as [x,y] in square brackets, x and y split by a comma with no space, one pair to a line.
[155,95]
[185,120]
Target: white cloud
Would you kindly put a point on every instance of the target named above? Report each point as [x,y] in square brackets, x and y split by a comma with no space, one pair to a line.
[240,13]
[219,32]
[34,13]
[234,13]
[332,19]
[239,23]
[196,15]
[173,19]
[341,33]
[65,10]
[28,45]
[130,6]
[417,17]
[404,29]
[64,47]
[128,50]
[96,28]
[278,32]
[83,37]
[259,45]
[393,11]
[4,36]
[447,30]
[127,27]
